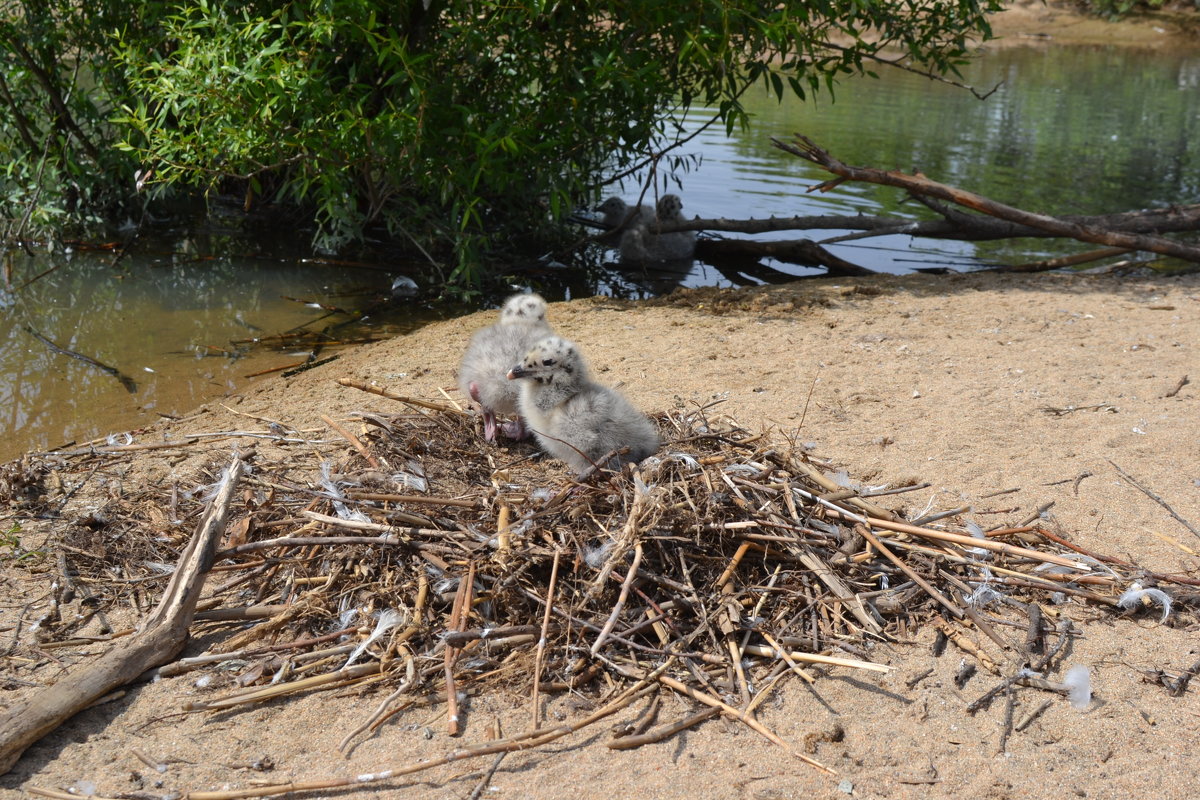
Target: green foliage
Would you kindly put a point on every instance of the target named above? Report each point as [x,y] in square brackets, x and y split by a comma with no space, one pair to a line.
[1116,9]
[466,128]
[10,540]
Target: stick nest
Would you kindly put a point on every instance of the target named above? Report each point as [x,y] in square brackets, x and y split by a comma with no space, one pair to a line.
[438,563]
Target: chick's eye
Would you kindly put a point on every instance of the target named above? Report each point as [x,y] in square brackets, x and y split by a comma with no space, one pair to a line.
[549,362]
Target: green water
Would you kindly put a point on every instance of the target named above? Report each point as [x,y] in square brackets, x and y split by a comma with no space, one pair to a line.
[1069,130]
[1075,130]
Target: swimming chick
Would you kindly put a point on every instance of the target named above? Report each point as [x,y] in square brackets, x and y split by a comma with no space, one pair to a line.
[574,418]
[638,243]
[492,350]
[619,216]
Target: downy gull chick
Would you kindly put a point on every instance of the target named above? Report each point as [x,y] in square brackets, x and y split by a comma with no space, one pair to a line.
[574,418]
[639,244]
[494,349]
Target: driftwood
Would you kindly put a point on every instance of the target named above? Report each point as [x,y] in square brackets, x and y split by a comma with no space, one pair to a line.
[794,251]
[925,189]
[955,225]
[1121,232]
[160,639]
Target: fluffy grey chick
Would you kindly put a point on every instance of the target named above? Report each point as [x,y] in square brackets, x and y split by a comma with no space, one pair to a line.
[492,350]
[575,419]
[619,216]
[638,243]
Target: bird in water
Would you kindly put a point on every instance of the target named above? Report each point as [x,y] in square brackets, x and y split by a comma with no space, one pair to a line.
[574,418]
[619,216]
[639,244]
[494,349]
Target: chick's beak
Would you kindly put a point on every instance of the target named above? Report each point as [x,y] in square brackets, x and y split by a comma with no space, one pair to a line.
[516,372]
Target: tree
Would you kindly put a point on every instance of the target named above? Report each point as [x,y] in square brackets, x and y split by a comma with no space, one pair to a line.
[465,127]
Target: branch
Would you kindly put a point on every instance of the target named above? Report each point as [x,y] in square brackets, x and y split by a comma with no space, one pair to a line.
[921,186]
[160,638]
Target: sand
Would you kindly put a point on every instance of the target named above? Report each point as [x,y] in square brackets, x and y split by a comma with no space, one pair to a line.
[1044,385]
[949,380]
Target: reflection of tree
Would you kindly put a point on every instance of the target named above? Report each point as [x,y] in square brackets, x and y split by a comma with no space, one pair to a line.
[1071,130]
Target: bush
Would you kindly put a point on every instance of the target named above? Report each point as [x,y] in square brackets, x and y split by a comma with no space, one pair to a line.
[467,128]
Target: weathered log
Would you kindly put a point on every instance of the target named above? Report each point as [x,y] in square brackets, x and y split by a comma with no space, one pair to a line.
[920,186]
[160,638]
[796,251]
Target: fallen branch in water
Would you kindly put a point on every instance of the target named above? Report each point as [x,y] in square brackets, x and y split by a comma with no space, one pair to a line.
[923,188]
[129,383]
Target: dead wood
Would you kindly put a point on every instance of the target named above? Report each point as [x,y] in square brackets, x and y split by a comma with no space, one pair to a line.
[160,639]
[797,251]
[725,563]
[920,186]
[954,224]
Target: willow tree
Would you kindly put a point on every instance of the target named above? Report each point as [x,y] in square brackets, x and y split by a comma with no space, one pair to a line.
[464,127]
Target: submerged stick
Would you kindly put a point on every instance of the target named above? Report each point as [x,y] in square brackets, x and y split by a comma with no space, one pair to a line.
[127,382]
[162,635]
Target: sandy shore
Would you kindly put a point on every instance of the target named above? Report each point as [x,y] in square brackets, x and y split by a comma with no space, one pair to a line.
[1004,393]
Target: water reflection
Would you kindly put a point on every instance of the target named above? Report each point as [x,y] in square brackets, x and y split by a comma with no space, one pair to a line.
[168,317]
[1080,130]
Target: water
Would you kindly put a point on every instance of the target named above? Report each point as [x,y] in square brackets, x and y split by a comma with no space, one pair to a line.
[175,318]
[1079,130]
[1069,130]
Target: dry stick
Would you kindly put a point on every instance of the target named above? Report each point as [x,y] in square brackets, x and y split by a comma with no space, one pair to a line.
[1037,712]
[1154,497]
[791,662]
[958,538]
[257,695]
[187,664]
[409,677]
[382,497]
[909,571]
[836,585]
[739,716]
[728,617]
[1161,576]
[353,440]
[630,574]
[412,401]
[541,645]
[160,638]
[665,732]
[965,642]
[524,741]
[458,614]
[921,186]
[821,480]
[381,713]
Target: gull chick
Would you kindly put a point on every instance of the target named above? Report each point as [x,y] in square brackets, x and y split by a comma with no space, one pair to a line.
[619,216]
[575,419]
[639,244]
[492,350]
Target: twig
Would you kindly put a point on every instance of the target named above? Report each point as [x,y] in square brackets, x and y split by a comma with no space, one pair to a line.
[411,401]
[524,741]
[541,645]
[353,440]
[458,615]
[1133,481]
[907,570]
[161,636]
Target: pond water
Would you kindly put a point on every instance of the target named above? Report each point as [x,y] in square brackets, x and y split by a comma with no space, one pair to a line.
[1068,130]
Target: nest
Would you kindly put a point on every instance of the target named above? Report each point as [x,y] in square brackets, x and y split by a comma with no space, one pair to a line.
[414,555]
